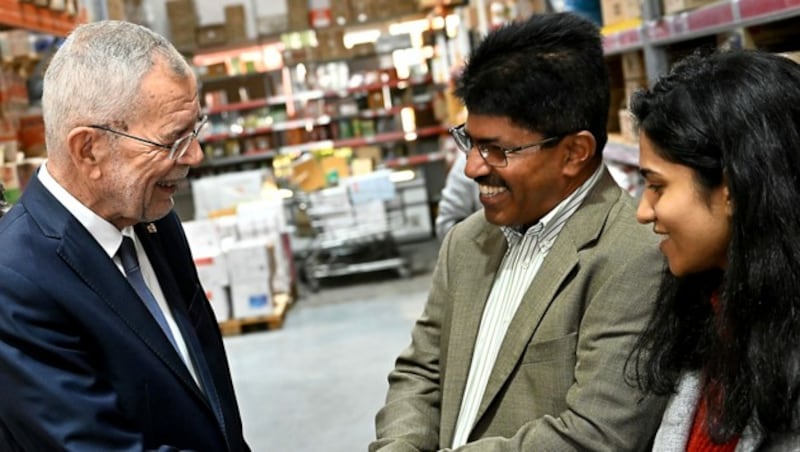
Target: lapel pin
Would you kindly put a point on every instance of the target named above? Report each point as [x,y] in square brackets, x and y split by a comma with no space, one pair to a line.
[151,228]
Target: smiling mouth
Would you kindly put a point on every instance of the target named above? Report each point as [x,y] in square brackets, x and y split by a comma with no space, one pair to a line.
[167,185]
[491,190]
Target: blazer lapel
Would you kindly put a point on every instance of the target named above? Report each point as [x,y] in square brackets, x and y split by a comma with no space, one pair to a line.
[82,253]
[481,257]
[584,227]
[538,298]
[177,305]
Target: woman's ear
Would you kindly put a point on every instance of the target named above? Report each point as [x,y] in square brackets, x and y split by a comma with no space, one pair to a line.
[581,149]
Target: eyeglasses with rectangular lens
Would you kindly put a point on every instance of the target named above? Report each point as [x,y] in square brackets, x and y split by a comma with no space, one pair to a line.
[176,150]
[492,154]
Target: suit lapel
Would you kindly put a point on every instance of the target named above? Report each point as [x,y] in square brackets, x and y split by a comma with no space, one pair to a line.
[82,253]
[470,298]
[176,303]
[583,228]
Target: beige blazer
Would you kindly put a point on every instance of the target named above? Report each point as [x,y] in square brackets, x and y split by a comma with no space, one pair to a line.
[558,381]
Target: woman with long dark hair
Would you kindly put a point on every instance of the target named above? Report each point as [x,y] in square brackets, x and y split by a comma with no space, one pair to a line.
[720,154]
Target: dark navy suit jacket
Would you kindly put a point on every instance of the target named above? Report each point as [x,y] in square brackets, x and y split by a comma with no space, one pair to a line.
[83,365]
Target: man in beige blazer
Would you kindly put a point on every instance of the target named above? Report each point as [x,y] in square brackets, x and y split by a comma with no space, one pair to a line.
[537,299]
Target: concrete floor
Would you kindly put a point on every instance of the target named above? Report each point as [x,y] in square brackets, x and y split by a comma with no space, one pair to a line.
[316,384]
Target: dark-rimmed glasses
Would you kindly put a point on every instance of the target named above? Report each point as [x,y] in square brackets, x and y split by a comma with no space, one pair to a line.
[492,154]
[176,149]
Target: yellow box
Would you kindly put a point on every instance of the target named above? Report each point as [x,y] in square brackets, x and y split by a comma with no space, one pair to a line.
[308,175]
[616,11]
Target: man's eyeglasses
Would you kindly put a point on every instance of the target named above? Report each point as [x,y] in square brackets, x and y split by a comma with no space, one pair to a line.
[176,149]
[492,154]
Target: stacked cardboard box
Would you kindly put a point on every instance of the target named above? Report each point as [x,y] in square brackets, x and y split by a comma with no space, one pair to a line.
[182,18]
[298,14]
[235,24]
[635,76]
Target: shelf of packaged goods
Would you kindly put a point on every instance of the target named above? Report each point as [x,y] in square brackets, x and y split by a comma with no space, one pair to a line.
[413,160]
[234,78]
[303,123]
[238,106]
[16,14]
[390,136]
[251,157]
[386,137]
[623,41]
[307,123]
[305,96]
[707,20]
[346,92]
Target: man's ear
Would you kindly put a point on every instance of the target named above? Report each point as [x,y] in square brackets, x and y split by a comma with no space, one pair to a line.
[85,151]
[581,148]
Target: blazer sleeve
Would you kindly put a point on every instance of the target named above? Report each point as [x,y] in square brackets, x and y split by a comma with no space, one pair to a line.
[44,360]
[410,419]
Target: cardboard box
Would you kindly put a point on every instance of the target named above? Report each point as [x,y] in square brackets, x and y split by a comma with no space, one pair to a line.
[31,135]
[220,301]
[308,175]
[340,12]
[620,11]
[676,6]
[272,24]
[211,35]
[251,298]
[626,126]
[212,270]
[298,11]
[9,176]
[335,164]
[248,260]
[633,65]
[235,24]
[631,86]
[182,19]
[8,151]
[181,9]
[116,9]
[362,10]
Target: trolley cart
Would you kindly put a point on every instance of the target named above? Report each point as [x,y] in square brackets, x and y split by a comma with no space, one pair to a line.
[352,234]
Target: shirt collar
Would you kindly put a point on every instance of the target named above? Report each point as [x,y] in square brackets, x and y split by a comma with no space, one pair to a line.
[558,215]
[105,233]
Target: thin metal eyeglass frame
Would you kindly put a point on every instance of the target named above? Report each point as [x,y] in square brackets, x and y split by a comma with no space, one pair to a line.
[172,148]
[465,144]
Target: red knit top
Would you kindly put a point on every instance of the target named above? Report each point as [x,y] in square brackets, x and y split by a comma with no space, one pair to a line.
[699,439]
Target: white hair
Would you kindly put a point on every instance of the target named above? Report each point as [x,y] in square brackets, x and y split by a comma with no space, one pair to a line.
[95,77]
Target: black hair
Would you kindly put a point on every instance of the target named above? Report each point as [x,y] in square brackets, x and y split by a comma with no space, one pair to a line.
[546,74]
[733,118]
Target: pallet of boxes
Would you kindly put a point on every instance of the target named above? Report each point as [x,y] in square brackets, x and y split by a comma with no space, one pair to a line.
[244,265]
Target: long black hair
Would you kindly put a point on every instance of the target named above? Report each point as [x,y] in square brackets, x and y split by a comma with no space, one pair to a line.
[733,117]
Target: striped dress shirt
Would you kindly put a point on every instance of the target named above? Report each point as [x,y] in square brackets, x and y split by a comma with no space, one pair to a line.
[524,256]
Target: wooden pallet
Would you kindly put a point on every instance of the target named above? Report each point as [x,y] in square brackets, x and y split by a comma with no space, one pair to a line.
[271,321]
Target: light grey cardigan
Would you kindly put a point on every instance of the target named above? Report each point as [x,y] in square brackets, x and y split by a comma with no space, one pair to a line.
[677,422]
